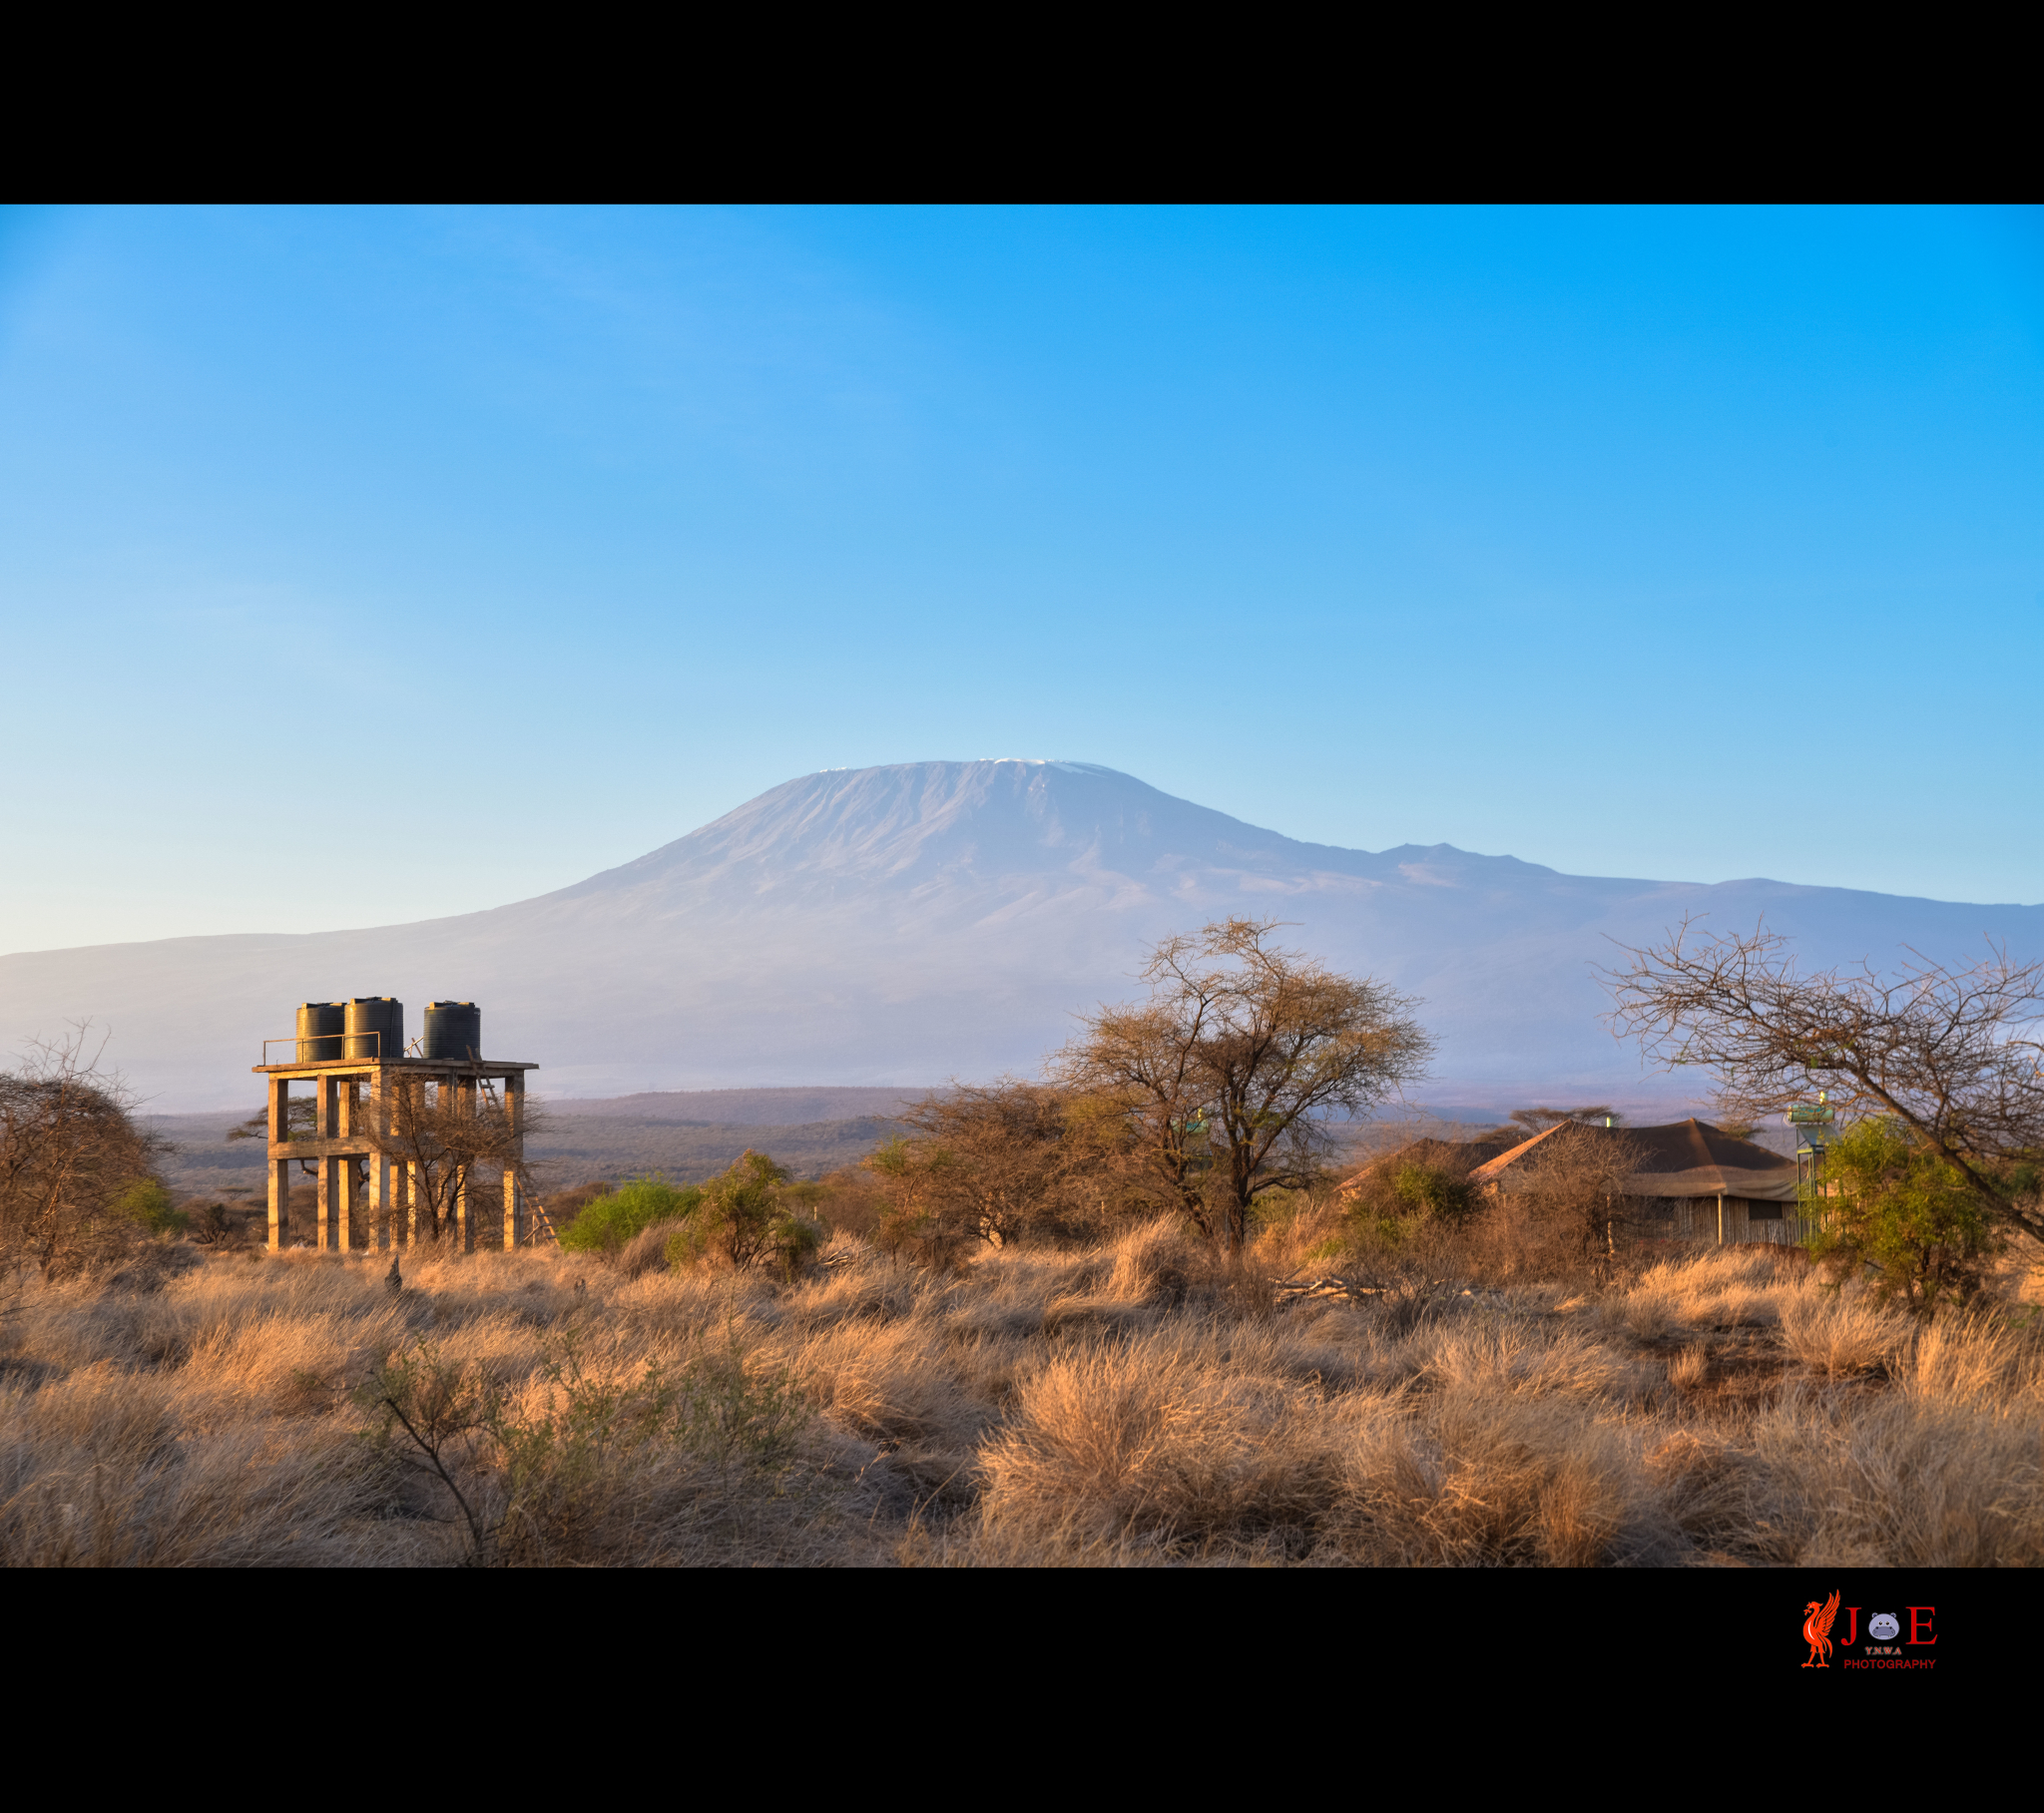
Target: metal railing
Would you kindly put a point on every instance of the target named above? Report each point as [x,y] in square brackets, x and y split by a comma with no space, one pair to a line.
[301,1039]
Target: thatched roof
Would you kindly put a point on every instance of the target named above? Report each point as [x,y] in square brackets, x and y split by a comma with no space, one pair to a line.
[1685,1158]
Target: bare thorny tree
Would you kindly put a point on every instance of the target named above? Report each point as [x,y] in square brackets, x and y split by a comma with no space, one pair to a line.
[69,1143]
[1009,1160]
[1006,1150]
[450,1140]
[1950,1053]
[1576,1185]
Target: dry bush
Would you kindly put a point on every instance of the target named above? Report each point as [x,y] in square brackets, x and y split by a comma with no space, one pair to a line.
[646,1249]
[1979,1354]
[71,1151]
[1005,1162]
[455,1141]
[1689,1368]
[1844,1336]
[1155,1440]
[1505,1479]
[847,1202]
[1569,1192]
[1901,1480]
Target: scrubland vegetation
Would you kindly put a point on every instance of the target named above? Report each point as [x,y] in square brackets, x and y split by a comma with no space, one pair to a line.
[1136,1399]
[1124,1315]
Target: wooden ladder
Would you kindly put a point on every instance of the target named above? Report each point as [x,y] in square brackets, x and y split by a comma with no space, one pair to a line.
[535,1207]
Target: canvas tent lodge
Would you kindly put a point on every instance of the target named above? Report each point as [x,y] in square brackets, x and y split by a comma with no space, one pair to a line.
[1693,1181]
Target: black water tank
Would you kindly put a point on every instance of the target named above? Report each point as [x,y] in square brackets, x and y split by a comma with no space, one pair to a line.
[454,1029]
[321,1018]
[375,1027]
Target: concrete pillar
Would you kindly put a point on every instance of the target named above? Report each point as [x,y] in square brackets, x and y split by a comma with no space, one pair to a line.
[514,1113]
[345,1211]
[280,1094]
[346,1205]
[411,1202]
[280,1203]
[462,1243]
[327,1119]
[379,1202]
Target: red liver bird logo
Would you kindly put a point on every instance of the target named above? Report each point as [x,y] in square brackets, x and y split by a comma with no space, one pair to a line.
[1817,1631]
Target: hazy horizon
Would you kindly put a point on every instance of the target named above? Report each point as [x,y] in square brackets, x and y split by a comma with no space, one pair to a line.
[912,923]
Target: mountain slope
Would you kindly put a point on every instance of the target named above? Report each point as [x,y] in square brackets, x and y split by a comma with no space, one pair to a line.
[909,923]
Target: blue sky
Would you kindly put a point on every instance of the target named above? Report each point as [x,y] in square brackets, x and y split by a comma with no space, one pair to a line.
[360,567]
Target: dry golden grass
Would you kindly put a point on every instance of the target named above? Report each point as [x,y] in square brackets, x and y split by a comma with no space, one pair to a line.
[1132,1403]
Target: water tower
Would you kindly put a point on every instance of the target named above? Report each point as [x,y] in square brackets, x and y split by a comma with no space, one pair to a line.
[1813,1122]
[355,1058]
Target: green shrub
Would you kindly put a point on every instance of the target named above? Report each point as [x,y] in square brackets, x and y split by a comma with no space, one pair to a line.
[1431,1192]
[1910,1214]
[793,1239]
[745,1214]
[742,1208]
[149,1204]
[1279,1207]
[606,1222]
[687,1244]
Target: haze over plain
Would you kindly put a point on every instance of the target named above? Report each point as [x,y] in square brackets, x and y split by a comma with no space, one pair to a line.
[360,568]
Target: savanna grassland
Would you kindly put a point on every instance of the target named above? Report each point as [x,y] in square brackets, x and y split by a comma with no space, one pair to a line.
[1138,1400]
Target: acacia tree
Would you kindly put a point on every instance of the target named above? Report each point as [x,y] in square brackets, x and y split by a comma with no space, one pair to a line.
[1950,1055]
[1228,1070]
[1539,1120]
